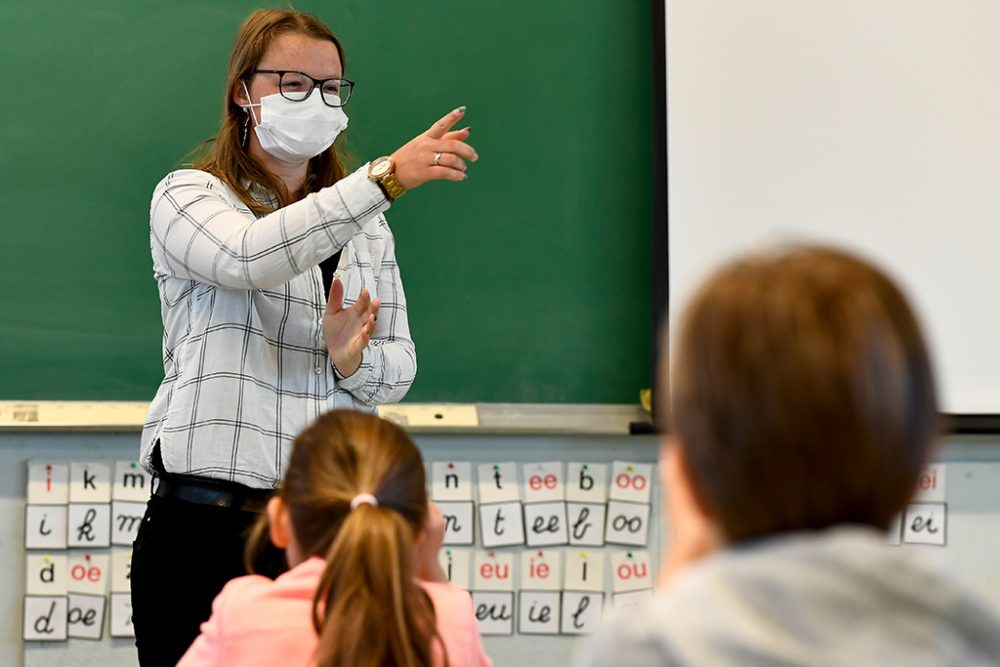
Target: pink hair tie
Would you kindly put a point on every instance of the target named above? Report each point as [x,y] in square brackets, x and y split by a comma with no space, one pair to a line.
[363,499]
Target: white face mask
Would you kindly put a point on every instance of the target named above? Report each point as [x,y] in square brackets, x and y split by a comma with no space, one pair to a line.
[296,131]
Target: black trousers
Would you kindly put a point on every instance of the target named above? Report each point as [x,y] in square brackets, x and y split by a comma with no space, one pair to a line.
[184,553]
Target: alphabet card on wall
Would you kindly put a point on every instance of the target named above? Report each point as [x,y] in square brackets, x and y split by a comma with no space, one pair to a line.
[587,483]
[48,483]
[493,598]
[85,616]
[545,524]
[926,523]
[931,483]
[541,570]
[121,570]
[539,613]
[89,524]
[630,571]
[502,524]
[121,615]
[894,536]
[90,482]
[131,482]
[631,482]
[45,618]
[627,523]
[459,525]
[498,483]
[585,523]
[47,574]
[543,482]
[451,480]
[493,571]
[584,571]
[88,573]
[45,526]
[125,520]
[631,578]
[581,612]
[456,564]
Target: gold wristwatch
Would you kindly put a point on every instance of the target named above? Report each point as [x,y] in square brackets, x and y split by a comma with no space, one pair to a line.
[382,170]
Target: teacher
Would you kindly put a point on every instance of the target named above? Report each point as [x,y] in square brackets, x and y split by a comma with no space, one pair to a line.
[281,299]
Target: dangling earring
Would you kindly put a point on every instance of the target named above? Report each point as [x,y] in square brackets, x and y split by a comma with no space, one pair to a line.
[246,130]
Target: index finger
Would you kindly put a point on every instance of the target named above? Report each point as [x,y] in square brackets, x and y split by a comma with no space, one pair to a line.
[439,128]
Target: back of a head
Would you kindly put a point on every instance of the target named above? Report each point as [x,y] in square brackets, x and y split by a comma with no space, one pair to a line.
[802,394]
[369,611]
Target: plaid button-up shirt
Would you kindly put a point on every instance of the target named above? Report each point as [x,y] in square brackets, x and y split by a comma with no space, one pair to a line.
[242,301]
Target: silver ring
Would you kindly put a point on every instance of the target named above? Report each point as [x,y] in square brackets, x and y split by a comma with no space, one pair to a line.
[437,159]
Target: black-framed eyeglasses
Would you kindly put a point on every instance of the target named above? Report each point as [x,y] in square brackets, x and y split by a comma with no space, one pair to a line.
[297,86]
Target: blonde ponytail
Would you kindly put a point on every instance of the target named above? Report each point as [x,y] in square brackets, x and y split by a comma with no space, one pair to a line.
[368,609]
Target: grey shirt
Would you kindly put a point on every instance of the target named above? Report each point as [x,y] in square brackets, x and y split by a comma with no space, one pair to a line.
[837,597]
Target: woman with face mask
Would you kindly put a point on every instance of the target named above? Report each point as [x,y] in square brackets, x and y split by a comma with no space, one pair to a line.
[281,299]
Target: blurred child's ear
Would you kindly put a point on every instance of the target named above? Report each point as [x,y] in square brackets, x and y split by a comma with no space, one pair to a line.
[278,523]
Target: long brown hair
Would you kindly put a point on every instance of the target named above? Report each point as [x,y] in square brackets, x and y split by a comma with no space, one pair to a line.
[368,610]
[802,394]
[225,156]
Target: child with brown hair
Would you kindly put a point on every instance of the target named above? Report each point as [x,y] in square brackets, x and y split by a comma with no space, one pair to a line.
[353,517]
[802,408]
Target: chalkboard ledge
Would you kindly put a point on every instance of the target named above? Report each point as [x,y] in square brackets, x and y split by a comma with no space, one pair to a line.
[501,418]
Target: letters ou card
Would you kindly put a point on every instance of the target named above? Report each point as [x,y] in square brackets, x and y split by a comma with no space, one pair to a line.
[630,571]
[88,573]
[48,483]
[494,612]
[89,525]
[581,612]
[631,481]
[545,524]
[585,570]
[456,564]
[502,524]
[86,616]
[451,480]
[498,483]
[132,483]
[45,526]
[121,615]
[459,525]
[125,520]
[587,482]
[538,613]
[585,522]
[543,482]
[931,483]
[541,570]
[45,618]
[47,574]
[926,523]
[493,571]
[628,523]
[631,599]
[121,570]
[90,482]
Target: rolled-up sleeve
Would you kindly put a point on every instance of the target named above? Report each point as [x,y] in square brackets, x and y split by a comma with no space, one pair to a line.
[198,234]
[389,363]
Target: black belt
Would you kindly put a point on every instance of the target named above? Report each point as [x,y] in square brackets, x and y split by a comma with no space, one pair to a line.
[207,492]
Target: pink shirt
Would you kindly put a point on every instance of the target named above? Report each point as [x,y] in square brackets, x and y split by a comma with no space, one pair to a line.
[257,621]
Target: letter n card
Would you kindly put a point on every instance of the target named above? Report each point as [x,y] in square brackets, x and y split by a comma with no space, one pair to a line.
[459,525]
[451,481]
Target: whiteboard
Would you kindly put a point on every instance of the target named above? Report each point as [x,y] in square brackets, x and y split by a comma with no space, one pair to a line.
[870,125]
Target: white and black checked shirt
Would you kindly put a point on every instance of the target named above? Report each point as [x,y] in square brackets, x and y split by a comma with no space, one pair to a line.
[242,300]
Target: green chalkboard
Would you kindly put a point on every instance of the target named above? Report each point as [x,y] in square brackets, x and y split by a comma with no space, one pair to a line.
[530,282]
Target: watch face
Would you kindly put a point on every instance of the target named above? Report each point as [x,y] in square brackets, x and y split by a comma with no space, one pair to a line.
[381,167]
